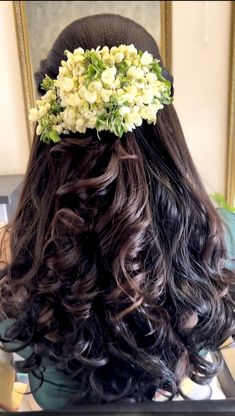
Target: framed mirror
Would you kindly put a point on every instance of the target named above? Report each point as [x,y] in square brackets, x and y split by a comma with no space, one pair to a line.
[30,32]
[230,191]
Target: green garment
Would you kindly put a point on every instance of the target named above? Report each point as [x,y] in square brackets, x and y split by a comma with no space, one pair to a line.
[228,219]
[58,388]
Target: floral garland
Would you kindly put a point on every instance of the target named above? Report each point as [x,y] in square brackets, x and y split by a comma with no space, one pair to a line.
[104,89]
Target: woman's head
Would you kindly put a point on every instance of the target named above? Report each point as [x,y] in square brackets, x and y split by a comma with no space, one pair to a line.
[117,252]
[93,31]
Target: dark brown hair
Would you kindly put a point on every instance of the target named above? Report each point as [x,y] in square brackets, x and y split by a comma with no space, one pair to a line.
[117,254]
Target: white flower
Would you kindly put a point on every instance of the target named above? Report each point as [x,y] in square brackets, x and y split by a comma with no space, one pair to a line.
[134,72]
[108,75]
[122,48]
[128,61]
[151,77]
[105,49]
[146,58]
[139,100]
[81,79]
[67,84]
[33,114]
[133,118]
[58,128]
[90,96]
[63,71]
[91,122]
[119,57]
[131,89]
[120,91]
[95,86]
[124,110]
[156,93]
[82,91]
[79,123]
[78,59]
[39,130]
[149,112]
[69,115]
[128,97]
[113,49]
[116,83]
[158,87]
[79,51]
[69,54]
[157,106]
[108,59]
[136,61]
[147,96]
[73,100]
[49,96]
[140,85]
[132,49]
[105,95]
[42,111]
[144,112]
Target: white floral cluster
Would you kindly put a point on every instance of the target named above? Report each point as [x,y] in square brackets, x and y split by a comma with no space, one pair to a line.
[106,89]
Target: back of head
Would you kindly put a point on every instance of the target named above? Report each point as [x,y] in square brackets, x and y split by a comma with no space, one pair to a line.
[118,248]
[92,31]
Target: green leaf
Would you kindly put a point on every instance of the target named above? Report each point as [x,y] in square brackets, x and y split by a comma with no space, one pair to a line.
[168,84]
[95,65]
[165,99]
[119,128]
[155,67]
[47,83]
[101,121]
[91,70]
[45,137]
[221,202]
[124,83]
[54,136]
[55,108]
[122,68]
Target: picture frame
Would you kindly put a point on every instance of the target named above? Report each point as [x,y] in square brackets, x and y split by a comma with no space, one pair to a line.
[230,179]
[22,33]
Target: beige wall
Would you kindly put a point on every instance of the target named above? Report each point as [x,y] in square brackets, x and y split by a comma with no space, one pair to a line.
[201,32]
[13,136]
[200,67]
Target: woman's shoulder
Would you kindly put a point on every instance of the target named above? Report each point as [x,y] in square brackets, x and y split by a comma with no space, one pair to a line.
[228,220]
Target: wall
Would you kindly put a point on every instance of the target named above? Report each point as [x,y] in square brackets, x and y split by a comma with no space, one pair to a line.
[201,31]
[14,147]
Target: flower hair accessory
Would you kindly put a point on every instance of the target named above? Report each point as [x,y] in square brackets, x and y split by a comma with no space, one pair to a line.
[104,89]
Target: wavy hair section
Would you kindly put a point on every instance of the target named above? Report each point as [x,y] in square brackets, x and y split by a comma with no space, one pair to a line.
[116,268]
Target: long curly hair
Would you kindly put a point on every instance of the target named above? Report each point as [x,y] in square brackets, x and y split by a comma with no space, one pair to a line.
[117,269]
